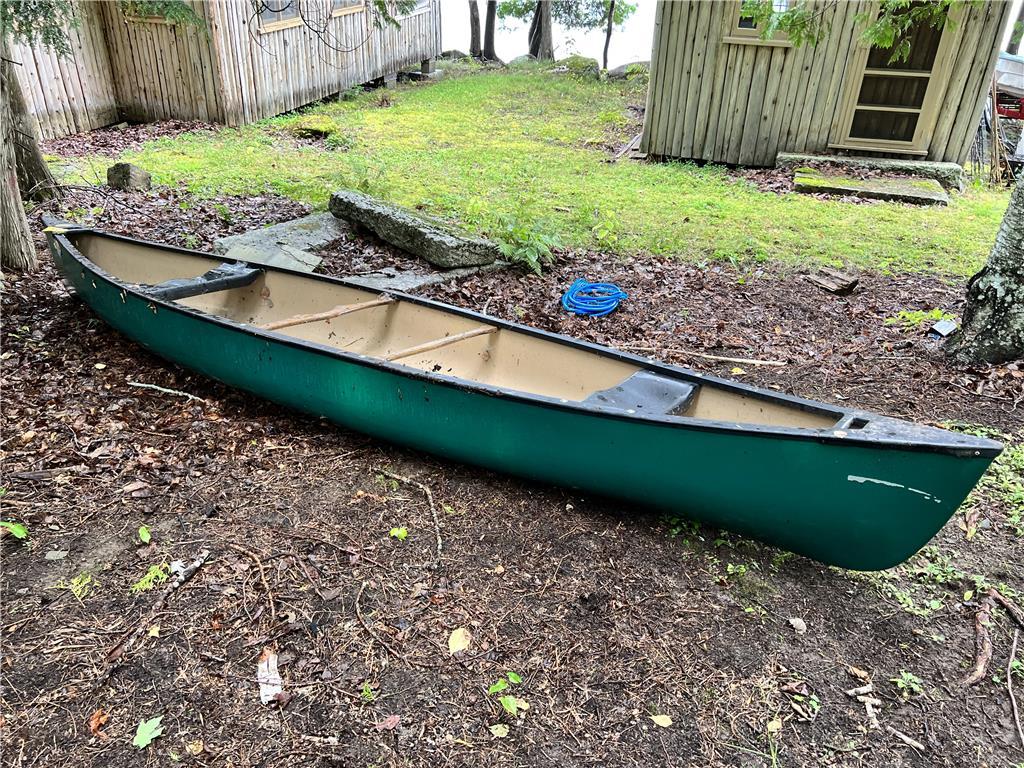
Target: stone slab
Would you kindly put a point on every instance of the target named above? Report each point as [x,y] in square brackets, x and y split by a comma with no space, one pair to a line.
[901,189]
[389,279]
[429,239]
[949,175]
[291,245]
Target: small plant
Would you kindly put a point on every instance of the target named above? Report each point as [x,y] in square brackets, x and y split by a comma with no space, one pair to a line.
[224,212]
[80,586]
[157,574]
[340,142]
[908,684]
[915,318]
[526,243]
[366,693]
[17,530]
[399,533]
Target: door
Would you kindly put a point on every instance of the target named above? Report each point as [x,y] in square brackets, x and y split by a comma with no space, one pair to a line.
[892,106]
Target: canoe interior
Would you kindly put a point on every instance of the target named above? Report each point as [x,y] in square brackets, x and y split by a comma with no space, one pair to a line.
[508,359]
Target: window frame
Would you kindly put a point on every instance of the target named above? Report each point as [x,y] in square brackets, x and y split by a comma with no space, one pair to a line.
[347,10]
[739,35]
[279,24]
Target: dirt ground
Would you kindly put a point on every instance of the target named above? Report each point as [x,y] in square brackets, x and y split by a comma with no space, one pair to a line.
[607,615]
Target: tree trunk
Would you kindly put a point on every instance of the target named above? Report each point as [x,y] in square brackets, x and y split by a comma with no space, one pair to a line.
[16,248]
[474,29]
[542,44]
[1017,33]
[608,33]
[993,325]
[33,174]
[491,20]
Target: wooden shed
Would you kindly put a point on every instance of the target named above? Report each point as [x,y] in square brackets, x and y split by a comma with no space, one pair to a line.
[242,67]
[721,93]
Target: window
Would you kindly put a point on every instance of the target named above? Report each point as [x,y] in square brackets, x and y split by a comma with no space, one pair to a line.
[742,29]
[341,7]
[278,14]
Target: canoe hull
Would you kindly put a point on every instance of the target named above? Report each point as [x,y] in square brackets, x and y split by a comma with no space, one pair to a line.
[849,505]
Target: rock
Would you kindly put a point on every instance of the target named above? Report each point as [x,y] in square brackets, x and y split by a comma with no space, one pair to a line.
[454,55]
[949,175]
[313,127]
[125,176]
[429,239]
[629,71]
[291,244]
[799,625]
[524,59]
[901,189]
[580,66]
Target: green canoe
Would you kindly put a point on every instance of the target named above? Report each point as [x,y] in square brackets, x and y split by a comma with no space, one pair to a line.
[842,486]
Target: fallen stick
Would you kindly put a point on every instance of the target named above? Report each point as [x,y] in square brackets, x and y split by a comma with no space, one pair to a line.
[115,653]
[982,640]
[166,391]
[430,500]
[864,689]
[263,577]
[906,739]
[1010,606]
[1009,686]
[721,358]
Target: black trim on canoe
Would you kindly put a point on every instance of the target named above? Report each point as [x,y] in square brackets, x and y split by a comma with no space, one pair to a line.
[853,427]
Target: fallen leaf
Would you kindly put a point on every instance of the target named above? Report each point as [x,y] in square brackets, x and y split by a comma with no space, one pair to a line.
[399,533]
[737,371]
[195,747]
[154,631]
[775,725]
[799,625]
[144,535]
[26,437]
[100,366]
[459,640]
[389,723]
[268,677]
[56,554]
[514,678]
[499,731]
[147,731]
[97,720]
[663,721]
[859,673]
[498,687]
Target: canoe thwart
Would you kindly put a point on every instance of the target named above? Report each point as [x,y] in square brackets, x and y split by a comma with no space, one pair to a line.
[221,278]
[647,392]
[338,311]
[443,342]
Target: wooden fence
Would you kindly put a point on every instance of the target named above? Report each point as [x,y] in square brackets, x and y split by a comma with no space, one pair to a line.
[231,71]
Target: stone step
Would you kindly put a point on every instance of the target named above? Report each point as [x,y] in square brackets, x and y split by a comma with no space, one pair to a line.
[901,189]
[949,175]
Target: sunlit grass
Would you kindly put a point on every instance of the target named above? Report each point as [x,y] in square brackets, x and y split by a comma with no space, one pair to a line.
[530,145]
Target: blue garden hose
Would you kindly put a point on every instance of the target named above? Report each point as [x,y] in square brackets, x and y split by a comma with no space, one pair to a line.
[593,299]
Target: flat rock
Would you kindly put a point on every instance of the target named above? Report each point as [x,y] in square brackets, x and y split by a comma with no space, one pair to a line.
[431,240]
[291,245]
[389,279]
[902,189]
[125,176]
[626,71]
[949,175]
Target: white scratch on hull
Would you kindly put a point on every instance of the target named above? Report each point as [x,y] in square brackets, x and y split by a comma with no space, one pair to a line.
[877,481]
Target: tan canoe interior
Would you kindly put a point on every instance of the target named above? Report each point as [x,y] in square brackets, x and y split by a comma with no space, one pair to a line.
[505,358]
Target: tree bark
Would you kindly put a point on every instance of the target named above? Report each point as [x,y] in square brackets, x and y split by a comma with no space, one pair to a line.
[16,248]
[474,29]
[542,44]
[993,324]
[1017,33]
[34,175]
[491,20]
[608,33]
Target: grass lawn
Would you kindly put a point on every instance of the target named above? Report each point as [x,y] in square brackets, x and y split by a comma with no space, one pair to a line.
[530,148]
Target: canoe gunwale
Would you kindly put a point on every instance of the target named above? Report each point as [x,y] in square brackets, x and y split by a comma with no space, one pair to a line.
[834,435]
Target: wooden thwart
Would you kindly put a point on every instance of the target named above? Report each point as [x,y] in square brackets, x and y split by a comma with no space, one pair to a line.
[341,309]
[438,343]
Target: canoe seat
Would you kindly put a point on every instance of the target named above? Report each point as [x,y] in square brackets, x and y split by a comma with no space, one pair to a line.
[646,392]
[221,278]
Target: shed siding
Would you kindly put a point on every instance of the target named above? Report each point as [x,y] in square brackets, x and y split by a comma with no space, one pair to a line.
[742,104]
[73,94]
